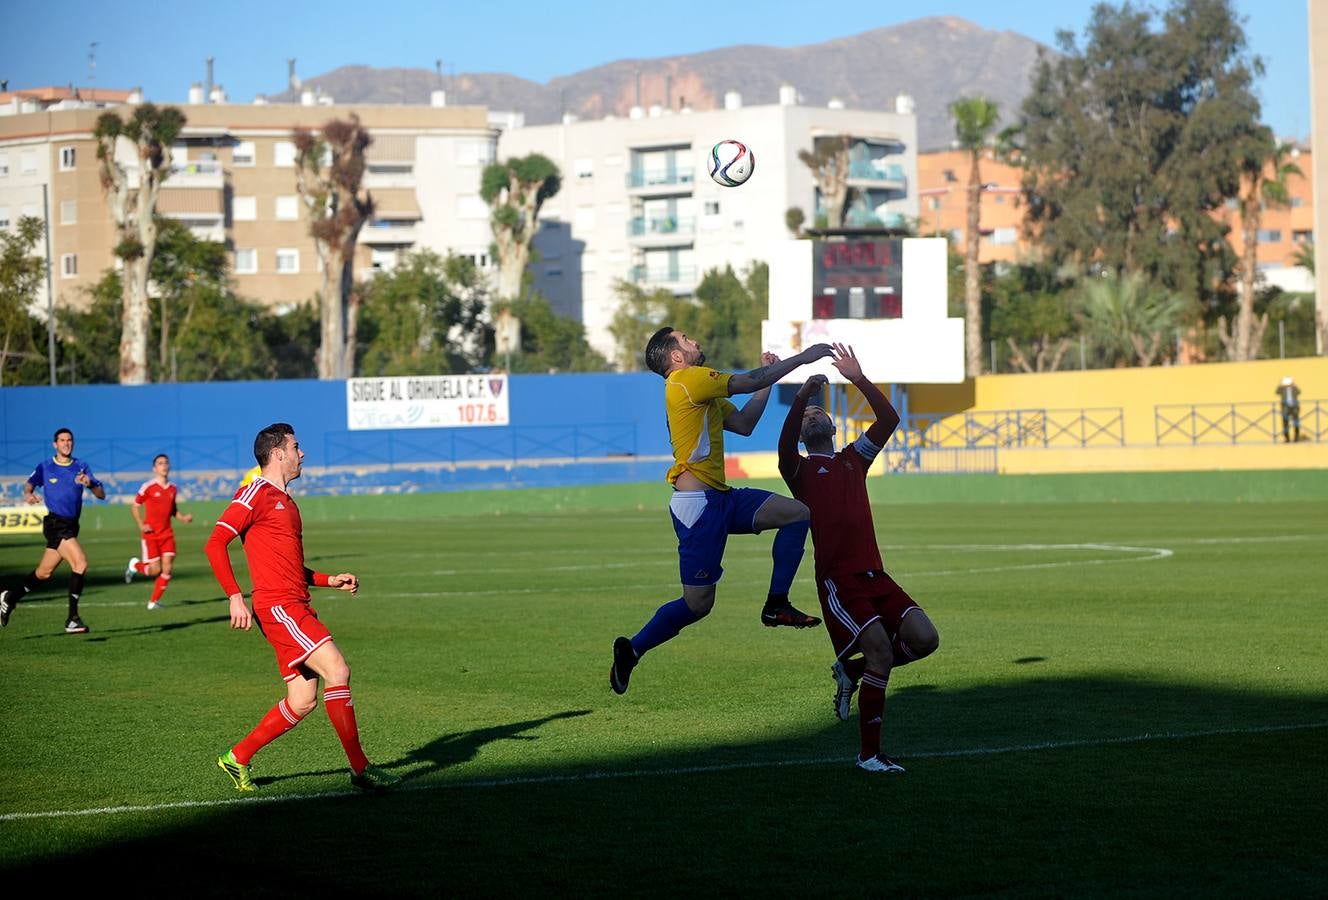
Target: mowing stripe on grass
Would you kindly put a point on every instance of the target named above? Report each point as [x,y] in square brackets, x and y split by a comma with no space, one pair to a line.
[664,773]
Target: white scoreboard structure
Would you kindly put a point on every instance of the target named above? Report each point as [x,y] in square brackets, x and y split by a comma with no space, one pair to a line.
[884,296]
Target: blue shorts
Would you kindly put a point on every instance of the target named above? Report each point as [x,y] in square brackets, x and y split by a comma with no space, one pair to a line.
[713,516]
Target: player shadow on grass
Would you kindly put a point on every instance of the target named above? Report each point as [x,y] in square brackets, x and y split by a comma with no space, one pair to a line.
[103,634]
[448,750]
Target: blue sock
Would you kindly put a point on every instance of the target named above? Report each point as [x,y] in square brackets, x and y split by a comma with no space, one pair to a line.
[668,620]
[787,552]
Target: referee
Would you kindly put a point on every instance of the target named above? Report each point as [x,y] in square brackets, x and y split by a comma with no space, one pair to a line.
[62,479]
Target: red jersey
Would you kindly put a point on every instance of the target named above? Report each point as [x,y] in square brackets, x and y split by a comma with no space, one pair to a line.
[158,504]
[835,490]
[267,520]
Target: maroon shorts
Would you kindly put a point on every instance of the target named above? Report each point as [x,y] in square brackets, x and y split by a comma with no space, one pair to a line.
[294,632]
[852,602]
[157,544]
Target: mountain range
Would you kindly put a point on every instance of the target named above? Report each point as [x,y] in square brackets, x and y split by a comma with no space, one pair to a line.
[935,60]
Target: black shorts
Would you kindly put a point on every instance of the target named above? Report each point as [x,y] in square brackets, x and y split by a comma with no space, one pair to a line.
[57,528]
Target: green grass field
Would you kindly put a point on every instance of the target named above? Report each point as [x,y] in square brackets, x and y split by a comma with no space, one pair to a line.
[1129,699]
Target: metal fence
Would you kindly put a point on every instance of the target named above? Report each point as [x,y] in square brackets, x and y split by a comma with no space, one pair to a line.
[1255,422]
[1021,428]
[903,458]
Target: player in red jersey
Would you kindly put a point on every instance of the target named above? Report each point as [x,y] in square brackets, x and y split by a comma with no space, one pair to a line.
[154,508]
[864,609]
[264,517]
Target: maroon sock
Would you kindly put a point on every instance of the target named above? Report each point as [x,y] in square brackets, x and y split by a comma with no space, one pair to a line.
[341,711]
[871,708]
[279,720]
[159,587]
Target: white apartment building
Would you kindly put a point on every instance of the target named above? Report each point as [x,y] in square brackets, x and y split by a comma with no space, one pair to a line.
[637,203]
[233,180]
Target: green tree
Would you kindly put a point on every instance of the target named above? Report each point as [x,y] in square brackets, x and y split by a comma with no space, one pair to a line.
[728,313]
[515,189]
[1131,141]
[1265,166]
[639,315]
[1127,319]
[91,344]
[21,272]
[975,121]
[184,268]
[425,317]
[133,206]
[1304,256]
[329,176]
[1031,312]
[292,338]
[221,338]
[549,342]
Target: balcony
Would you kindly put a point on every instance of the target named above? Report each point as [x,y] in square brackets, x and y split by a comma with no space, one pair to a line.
[383,176]
[878,174]
[195,173]
[389,232]
[678,278]
[659,181]
[661,230]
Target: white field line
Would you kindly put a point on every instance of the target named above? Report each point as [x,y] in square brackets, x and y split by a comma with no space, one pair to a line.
[609,775]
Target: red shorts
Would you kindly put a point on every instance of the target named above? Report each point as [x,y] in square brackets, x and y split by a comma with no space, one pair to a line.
[157,544]
[294,632]
[852,602]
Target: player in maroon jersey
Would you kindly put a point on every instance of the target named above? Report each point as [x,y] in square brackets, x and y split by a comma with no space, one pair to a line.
[153,509]
[264,517]
[864,609]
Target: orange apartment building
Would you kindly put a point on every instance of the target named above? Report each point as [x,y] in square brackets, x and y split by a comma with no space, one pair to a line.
[233,181]
[942,210]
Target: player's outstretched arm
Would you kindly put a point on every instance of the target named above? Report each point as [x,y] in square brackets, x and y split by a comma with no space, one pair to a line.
[789,457]
[887,417]
[743,421]
[765,376]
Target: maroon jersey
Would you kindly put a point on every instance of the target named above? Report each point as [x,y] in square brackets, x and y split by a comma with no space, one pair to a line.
[158,502]
[835,490]
[267,520]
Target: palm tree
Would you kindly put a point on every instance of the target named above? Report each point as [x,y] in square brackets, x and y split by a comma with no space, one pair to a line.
[974,121]
[1264,168]
[1128,319]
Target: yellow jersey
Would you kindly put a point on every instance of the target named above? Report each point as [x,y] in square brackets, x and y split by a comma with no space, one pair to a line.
[696,404]
[251,475]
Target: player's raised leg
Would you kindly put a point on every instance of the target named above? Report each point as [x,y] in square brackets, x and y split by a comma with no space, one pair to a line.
[793,520]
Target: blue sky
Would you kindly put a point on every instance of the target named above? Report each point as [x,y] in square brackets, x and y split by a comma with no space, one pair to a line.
[251,40]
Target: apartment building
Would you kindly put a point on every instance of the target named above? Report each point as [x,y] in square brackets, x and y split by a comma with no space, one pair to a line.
[637,204]
[943,192]
[233,180]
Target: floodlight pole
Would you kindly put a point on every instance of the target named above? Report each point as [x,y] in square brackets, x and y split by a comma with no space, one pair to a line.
[50,293]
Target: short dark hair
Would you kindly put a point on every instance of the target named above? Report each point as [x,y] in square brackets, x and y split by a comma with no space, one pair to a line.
[269,439]
[658,348]
[160,456]
[60,431]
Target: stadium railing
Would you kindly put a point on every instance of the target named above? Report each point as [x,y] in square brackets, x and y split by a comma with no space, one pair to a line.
[452,446]
[132,454]
[1255,422]
[1020,428]
[905,458]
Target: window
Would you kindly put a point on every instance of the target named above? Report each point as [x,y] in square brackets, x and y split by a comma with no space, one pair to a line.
[66,159]
[246,262]
[69,265]
[283,154]
[4,164]
[383,260]
[288,261]
[4,217]
[243,154]
[583,221]
[30,211]
[1297,202]
[27,162]
[1303,237]
[584,168]
[1232,203]
[68,212]
[1270,235]
[1004,236]
[288,207]
[712,207]
[471,153]
[933,203]
[588,263]
[471,206]
[244,209]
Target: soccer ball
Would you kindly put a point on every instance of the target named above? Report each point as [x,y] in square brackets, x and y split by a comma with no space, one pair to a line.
[731,163]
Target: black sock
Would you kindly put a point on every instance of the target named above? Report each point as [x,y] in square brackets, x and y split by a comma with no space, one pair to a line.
[75,591]
[30,584]
[776,600]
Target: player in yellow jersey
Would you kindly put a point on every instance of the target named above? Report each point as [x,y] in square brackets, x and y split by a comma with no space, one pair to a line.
[704,509]
[251,475]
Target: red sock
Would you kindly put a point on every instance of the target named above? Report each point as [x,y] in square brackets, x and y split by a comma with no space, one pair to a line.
[278,721]
[160,587]
[141,568]
[871,707]
[341,711]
